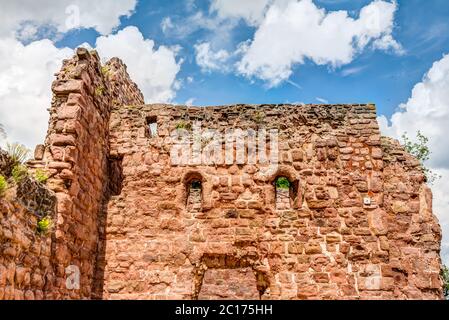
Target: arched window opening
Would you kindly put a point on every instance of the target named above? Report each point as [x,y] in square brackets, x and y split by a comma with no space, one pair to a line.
[283,193]
[194,195]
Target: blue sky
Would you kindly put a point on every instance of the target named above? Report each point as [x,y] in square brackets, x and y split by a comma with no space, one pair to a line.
[212,52]
[383,78]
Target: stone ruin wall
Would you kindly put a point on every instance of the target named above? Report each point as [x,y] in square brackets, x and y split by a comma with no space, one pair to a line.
[75,155]
[329,245]
[122,213]
[25,256]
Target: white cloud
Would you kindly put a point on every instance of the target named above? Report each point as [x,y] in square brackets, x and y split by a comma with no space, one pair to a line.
[210,60]
[295,30]
[26,74]
[192,23]
[190,102]
[427,110]
[252,11]
[322,100]
[296,85]
[102,15]
[154,70]
[166,24]
[27,71]
[440,208]
[351,71]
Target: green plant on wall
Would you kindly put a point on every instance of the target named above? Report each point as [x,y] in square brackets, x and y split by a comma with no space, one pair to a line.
[18,153]
[41,176]
[183,125]
[259,116]
[3,185]
[105,70]
[99,91]
[44,225]
[19,172]
[445,277]
[282,183]
[420,151]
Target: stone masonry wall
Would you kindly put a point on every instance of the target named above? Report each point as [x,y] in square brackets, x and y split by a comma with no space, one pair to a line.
[360,224]
[356,222]
[25,254]
[76,156]
[409,231]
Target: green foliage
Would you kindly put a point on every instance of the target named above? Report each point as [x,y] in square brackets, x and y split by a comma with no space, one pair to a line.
[420,151]
[445,277]
[259,116]
[99,91]
[105,70]
[3,185]
[195,184]
[19,172]
[18,153]
[41,176]
[44,225]
[183,125]
[282,183]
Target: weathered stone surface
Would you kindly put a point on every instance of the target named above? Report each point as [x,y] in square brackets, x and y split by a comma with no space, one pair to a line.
[356,223]
[333,232]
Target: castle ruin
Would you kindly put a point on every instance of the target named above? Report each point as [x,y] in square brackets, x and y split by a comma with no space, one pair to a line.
[329,210]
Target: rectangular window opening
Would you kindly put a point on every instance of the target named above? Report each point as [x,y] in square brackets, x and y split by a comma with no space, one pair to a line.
[152,126]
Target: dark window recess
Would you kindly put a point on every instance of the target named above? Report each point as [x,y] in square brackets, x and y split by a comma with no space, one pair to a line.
[151,127]
[194,196]
[283,193]
[116,176]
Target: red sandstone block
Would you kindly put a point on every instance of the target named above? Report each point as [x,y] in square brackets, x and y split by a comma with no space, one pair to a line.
[65,87]
[321,277]
[58,165]
[75,99]
[69,112]
[62,140]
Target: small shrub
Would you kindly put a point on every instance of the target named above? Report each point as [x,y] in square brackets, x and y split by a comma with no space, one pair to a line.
[41,176]
[3,185]
[445,277]
[421,151]
[18,153]
[99,91]
[19,172]
[183,125]
[105,71]
[282,183]
[44,225]
[259,116]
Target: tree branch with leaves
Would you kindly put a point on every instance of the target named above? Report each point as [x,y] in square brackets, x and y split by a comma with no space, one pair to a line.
[445,277]
[420,150]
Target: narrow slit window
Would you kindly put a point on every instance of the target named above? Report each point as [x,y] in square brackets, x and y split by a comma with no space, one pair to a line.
[283,193]
[152,126]
[116,175]
[194,196]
